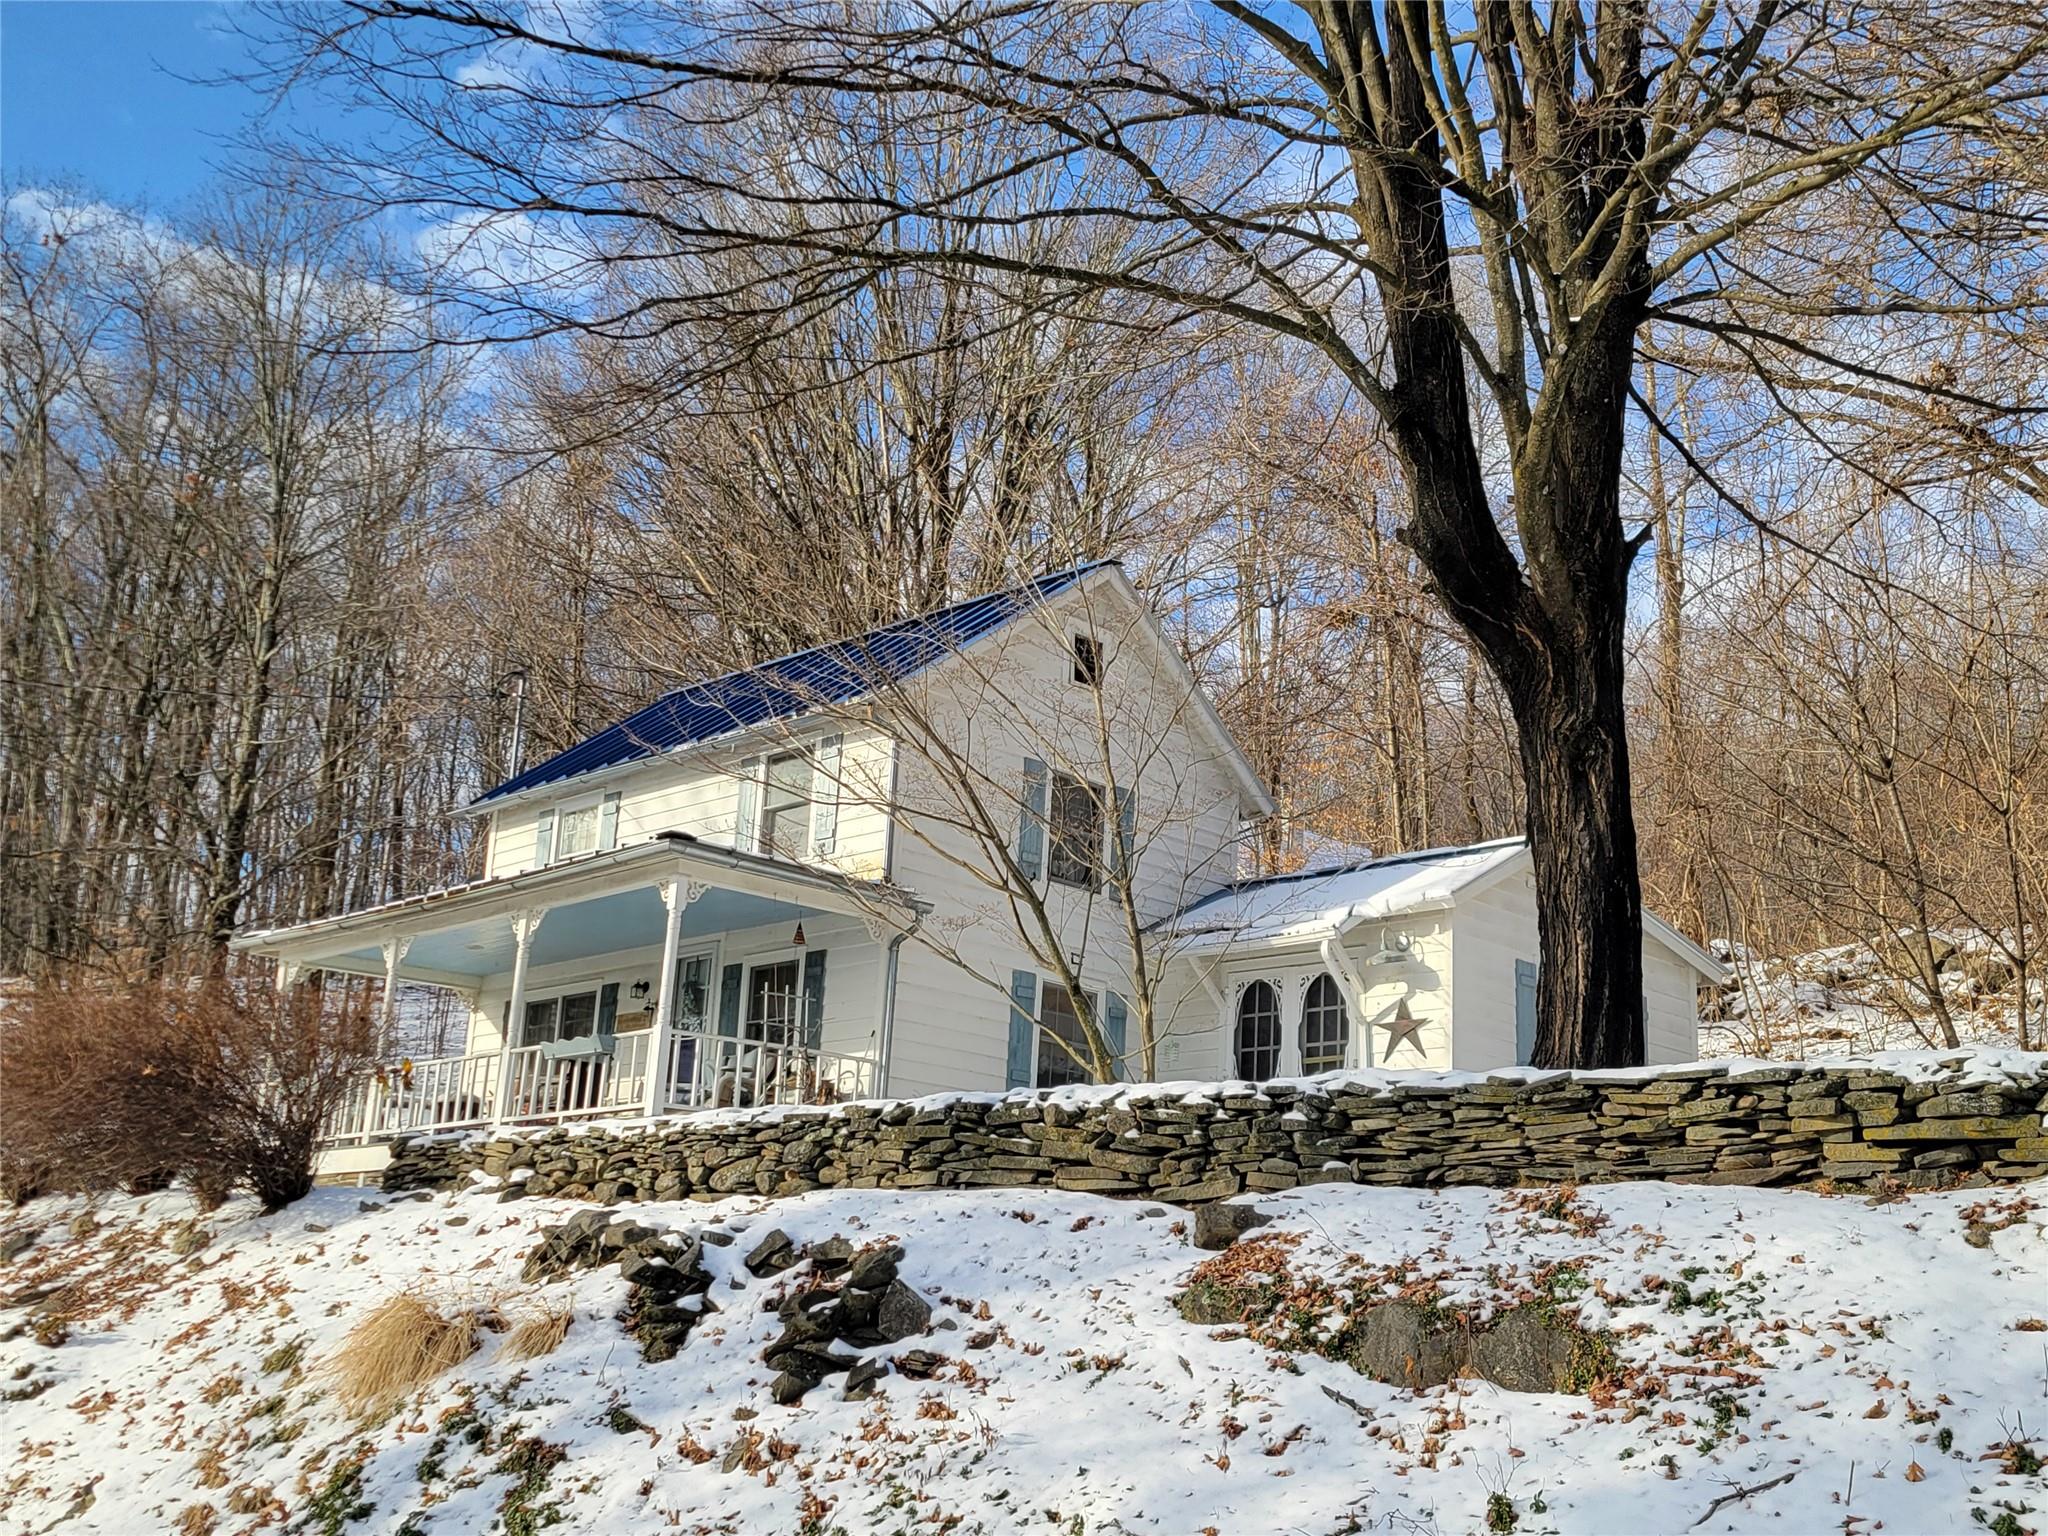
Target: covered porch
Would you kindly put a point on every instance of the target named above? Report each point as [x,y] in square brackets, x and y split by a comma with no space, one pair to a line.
[664,977]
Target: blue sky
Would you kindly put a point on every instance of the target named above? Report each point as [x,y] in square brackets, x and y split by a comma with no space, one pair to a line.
[89,91]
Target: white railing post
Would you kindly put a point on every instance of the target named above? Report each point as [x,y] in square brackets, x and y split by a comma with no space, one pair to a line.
[676,895]
[524,926]
[394,951]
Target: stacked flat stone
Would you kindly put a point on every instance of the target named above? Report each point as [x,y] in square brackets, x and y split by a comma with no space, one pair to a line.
[1850,1127]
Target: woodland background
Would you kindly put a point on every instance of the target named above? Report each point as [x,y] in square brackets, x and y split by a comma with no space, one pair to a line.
[272,546]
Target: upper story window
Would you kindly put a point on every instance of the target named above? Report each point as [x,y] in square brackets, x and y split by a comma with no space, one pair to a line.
[1088,660]
[576,827]
[789,801]
[1076,822]
[786,806]
[576,831]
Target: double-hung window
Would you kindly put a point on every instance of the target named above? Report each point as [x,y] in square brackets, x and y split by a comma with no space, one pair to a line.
[1062,1045]
[786,806]
[576,831]
[773,1003]
[576,828]
[573,1016]
[1076,824]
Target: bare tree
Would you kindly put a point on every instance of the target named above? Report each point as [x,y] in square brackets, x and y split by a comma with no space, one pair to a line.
[1474,223]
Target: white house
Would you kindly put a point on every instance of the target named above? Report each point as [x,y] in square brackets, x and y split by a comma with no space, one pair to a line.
[1284,965]
[892,863]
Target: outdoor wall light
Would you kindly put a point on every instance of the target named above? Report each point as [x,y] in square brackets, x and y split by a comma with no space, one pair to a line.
[1391,953]
[641,988]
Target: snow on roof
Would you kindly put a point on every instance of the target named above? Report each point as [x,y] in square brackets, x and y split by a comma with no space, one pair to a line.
[835,673]
[1312,902]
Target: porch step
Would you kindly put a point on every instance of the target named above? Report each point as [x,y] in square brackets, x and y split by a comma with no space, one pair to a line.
[345,1164]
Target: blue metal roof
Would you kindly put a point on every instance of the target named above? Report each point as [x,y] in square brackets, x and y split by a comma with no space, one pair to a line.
[833,673]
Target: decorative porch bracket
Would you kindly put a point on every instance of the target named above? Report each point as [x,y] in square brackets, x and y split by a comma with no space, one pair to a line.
[288,974]
[676,896]
[524,926]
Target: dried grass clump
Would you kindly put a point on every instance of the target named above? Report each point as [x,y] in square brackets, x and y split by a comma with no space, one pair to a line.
[538,1334]
[404,1344]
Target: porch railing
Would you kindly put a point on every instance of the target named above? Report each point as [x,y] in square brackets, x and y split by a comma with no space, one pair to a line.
[704,1071]
[708,1071]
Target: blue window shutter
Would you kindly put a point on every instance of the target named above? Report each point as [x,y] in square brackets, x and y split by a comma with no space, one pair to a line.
[544,839]
[825,797]
[1525,1013]
[1123,837]
[608,1010]
[729,1000]
[1113,1016]
[1023,1021]
[608,822]
[746,832]
[814,997]
[1031,822]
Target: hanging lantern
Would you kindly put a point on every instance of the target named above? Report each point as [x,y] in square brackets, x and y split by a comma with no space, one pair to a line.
[797,938]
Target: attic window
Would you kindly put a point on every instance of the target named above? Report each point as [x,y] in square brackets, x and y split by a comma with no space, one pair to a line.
[1088,660]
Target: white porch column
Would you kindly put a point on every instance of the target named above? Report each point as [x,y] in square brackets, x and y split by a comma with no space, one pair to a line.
[524,926]
[394,952]
[676,895]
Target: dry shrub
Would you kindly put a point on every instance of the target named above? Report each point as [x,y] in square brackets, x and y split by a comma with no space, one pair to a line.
[404,1344]
[223,1086]
[538,1334]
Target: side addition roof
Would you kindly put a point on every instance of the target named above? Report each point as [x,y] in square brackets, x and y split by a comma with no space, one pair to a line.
[1304,907]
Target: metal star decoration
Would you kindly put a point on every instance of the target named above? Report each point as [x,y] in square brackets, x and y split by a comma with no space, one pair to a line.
[1402,1026]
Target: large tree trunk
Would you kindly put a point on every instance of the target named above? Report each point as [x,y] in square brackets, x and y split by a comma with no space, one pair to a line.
[1582,835]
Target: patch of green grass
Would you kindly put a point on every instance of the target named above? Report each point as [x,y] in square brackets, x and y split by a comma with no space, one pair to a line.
[531,1462]
[340,1501]
[461,1423]
[620,1420]
[1726,1411]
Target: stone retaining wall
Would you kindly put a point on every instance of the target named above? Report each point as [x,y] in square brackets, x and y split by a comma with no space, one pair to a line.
[1849,1126]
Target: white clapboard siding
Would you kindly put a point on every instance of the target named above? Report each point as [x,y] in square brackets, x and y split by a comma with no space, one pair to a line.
[1497,927]
[698,793]
[1014,698]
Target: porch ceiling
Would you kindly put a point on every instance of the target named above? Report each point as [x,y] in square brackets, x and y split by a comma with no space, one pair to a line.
[598,926]
[598,906]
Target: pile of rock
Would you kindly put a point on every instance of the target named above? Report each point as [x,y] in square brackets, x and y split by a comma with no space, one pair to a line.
[1858,1126]
[855,1297]
[667,1273]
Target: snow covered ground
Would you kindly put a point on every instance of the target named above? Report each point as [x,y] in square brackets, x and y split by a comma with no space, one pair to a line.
[1866,1366]
[1845,999]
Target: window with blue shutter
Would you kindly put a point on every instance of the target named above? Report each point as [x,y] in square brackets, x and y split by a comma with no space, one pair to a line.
[746,834]
[1525,1012]
[1124,837]
[608,1011]
[729,982]
[544,839]
[608,822]
[1031,820]
[1023,1025]
[1113,1018]
[825,798]
[814,998]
